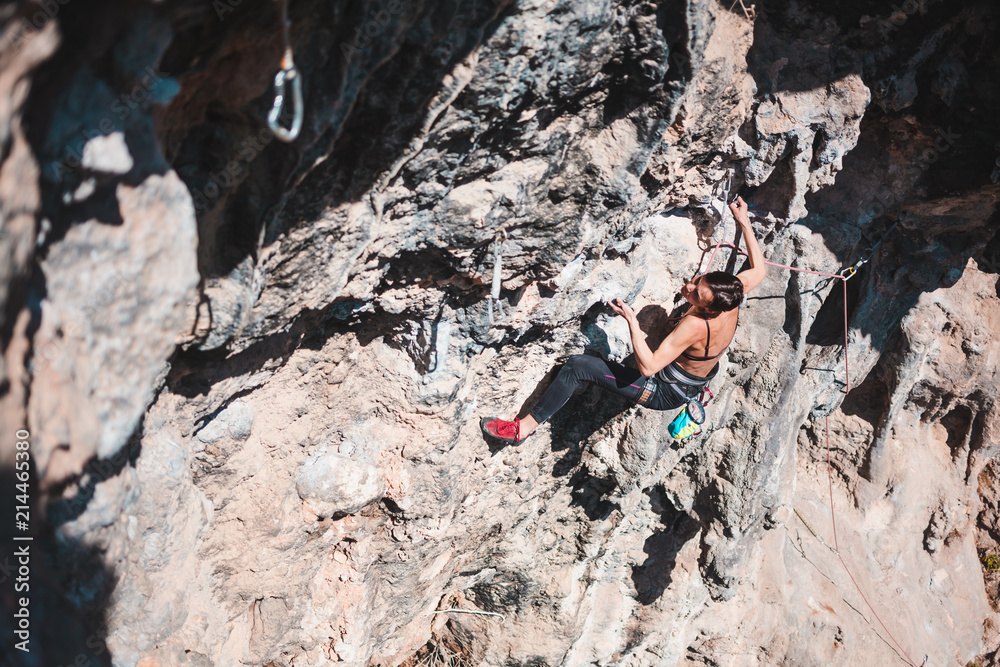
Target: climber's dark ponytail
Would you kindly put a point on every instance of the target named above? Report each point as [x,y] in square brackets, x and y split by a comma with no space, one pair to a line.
[727,288]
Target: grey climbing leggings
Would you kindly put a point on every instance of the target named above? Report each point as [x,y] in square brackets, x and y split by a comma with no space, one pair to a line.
[620,379]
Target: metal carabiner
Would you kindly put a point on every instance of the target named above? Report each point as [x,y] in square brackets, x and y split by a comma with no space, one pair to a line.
[288,72]
[851,270]
[726,185]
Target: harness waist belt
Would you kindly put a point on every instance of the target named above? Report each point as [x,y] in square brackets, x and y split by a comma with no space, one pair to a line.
[674,374]
[683,383]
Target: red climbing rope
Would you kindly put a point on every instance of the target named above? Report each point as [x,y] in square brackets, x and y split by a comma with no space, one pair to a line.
[836,547]
[847,372]
[782,266]
[829,468]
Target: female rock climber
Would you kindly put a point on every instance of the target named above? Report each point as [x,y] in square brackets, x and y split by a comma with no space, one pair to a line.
[678,369]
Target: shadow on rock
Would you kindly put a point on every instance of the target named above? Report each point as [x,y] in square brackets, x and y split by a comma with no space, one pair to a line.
[572,426]
[67,587]
[590,493]
[63,510]
[652,577]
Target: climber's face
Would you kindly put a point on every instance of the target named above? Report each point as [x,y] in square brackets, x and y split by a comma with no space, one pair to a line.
[697,292]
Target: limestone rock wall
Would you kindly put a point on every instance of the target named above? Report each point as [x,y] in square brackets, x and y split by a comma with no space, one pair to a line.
[253,371]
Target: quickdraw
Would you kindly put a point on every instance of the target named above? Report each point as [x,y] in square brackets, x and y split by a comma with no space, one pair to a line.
[866,255]
[497,272]
[726,188]
[288,73]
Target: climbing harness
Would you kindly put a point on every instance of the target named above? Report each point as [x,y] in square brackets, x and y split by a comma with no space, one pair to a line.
[287,74]
[674,375]
[687,423]
[494,297]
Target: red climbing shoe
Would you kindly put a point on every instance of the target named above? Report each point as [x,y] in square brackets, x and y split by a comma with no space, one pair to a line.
[499,429]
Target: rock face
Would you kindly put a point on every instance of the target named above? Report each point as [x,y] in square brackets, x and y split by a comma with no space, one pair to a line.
[253,371]
[334,484]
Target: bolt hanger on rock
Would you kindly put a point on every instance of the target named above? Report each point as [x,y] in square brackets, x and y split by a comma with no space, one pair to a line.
[287,73]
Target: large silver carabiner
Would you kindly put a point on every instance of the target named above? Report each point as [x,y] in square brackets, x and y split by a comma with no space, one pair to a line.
[287,73]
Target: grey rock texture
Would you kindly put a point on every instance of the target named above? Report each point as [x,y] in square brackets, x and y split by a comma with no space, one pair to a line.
[335,484]
[253,371]
[92,379]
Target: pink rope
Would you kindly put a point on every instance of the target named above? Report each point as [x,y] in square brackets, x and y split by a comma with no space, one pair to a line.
[836,545]
[829,472]
[843,279]
[847,372]
[815,273]
[783,266]
[715,252]
[829,466]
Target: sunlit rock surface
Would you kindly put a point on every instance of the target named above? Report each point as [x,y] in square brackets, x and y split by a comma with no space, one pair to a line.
[253,371]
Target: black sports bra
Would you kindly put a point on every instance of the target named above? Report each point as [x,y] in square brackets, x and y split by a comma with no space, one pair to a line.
[708,341]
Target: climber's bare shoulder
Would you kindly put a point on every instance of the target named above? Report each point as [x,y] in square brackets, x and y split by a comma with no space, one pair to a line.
[751,278]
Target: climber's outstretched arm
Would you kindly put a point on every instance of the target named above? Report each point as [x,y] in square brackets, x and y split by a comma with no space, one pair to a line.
[758,269]
[684,335]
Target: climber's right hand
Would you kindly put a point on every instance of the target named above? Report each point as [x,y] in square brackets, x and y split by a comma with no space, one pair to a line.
[623,309]
[739,209]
